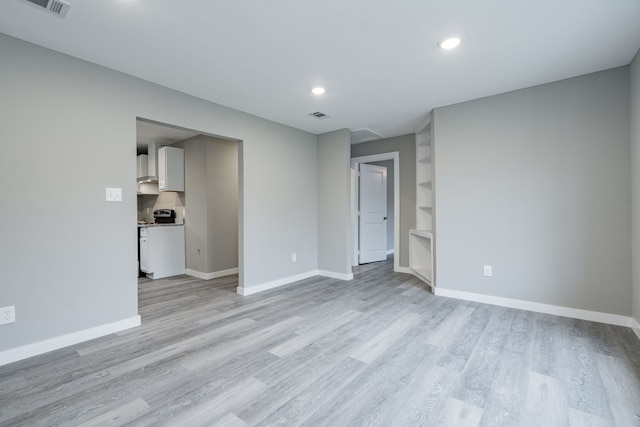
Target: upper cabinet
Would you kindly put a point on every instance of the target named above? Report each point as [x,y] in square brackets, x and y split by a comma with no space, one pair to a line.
[171,169]
[142,166]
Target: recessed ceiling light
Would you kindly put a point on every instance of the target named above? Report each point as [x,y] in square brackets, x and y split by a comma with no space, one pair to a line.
[318,90]
[449,43]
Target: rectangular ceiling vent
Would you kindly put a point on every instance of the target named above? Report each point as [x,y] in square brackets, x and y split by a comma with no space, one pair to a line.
[319,115]
[364,135]
[55,7]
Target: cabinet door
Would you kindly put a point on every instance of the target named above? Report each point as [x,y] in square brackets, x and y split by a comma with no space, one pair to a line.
[142,166]
[171,169]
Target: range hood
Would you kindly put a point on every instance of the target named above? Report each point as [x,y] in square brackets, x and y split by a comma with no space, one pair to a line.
[151,174]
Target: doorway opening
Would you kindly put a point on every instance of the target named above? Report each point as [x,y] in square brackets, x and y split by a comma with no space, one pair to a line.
[394,157]
[208,208]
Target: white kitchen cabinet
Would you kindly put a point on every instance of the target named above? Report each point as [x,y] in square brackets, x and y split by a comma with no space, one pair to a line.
[142,166]
[148,188]
[162,251]
[171,169]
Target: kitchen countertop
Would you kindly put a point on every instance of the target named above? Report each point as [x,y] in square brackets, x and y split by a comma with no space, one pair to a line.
[160,225]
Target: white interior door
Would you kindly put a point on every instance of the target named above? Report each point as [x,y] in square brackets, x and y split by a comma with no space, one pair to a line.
[373,213]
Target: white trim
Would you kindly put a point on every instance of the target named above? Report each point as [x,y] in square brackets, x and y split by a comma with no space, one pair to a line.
[213,275]
[166,273]
[355,161]
[334,275]
[291,279]
[406,270]
[576,313]
[40,347]
[636,327]
[275,284]
[390,251]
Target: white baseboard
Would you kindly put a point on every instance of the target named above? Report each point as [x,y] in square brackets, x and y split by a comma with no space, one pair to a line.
[275,284]
[334,275]
[213,275]
[636,327]
[576,313]
[391,251]
[403,270]
[291,279]
[41,347]
[166,273]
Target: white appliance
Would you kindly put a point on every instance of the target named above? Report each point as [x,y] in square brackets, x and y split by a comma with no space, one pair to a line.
[162,251]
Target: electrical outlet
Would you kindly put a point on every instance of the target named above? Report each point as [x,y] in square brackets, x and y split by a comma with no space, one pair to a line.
[293,258]
[7,315]
[488,271]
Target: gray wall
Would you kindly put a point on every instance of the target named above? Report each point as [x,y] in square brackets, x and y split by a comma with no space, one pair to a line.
[537,183]
[211,198]
[406,145]
[334,187]
[635,183]
[70,132]
[195,200]
[222,179]
[390,213]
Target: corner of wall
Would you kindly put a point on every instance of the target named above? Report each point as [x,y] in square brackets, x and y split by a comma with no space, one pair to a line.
[634,115]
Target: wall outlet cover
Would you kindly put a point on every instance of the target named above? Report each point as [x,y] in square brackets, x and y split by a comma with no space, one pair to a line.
[7,315]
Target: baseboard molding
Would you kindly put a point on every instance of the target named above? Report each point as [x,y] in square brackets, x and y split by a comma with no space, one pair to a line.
[291,279]
[403,270]
[166,273]
[213,275]
[576,313]
[275,284]
[636,327]
[391,251]
[334,275]
[41,347]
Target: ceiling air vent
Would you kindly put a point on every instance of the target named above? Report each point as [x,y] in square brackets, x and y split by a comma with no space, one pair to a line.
[364,135]
[55,7]
[319,115]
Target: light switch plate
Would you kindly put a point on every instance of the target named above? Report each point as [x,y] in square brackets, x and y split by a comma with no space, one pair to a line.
[488,271]
[113,194]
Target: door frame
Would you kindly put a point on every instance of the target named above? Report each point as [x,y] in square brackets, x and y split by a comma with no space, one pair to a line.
[355,166]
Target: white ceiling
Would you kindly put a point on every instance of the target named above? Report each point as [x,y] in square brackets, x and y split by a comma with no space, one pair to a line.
[148,133]
[378,59]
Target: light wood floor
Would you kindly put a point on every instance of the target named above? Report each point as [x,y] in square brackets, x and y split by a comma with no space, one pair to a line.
[377,351]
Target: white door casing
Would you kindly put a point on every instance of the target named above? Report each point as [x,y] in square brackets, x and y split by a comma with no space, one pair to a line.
[373,213]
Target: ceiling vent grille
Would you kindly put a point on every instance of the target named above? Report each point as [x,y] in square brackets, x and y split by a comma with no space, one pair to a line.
[319,115]
[55,7]
[364,135]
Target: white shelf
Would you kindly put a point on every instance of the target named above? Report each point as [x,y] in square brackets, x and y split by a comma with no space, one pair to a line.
[421,239]
[427,234]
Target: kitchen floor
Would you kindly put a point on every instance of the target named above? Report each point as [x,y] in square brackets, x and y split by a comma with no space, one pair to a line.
[380,350]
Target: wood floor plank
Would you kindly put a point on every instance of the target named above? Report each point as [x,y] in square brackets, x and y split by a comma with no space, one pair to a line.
[241,345]
[209,411]
[623,390]
[546,403]
[119,416]
[313,334]
[230,420]
[377,345]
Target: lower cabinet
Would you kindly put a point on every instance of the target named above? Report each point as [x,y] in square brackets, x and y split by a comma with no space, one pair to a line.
[162,251]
